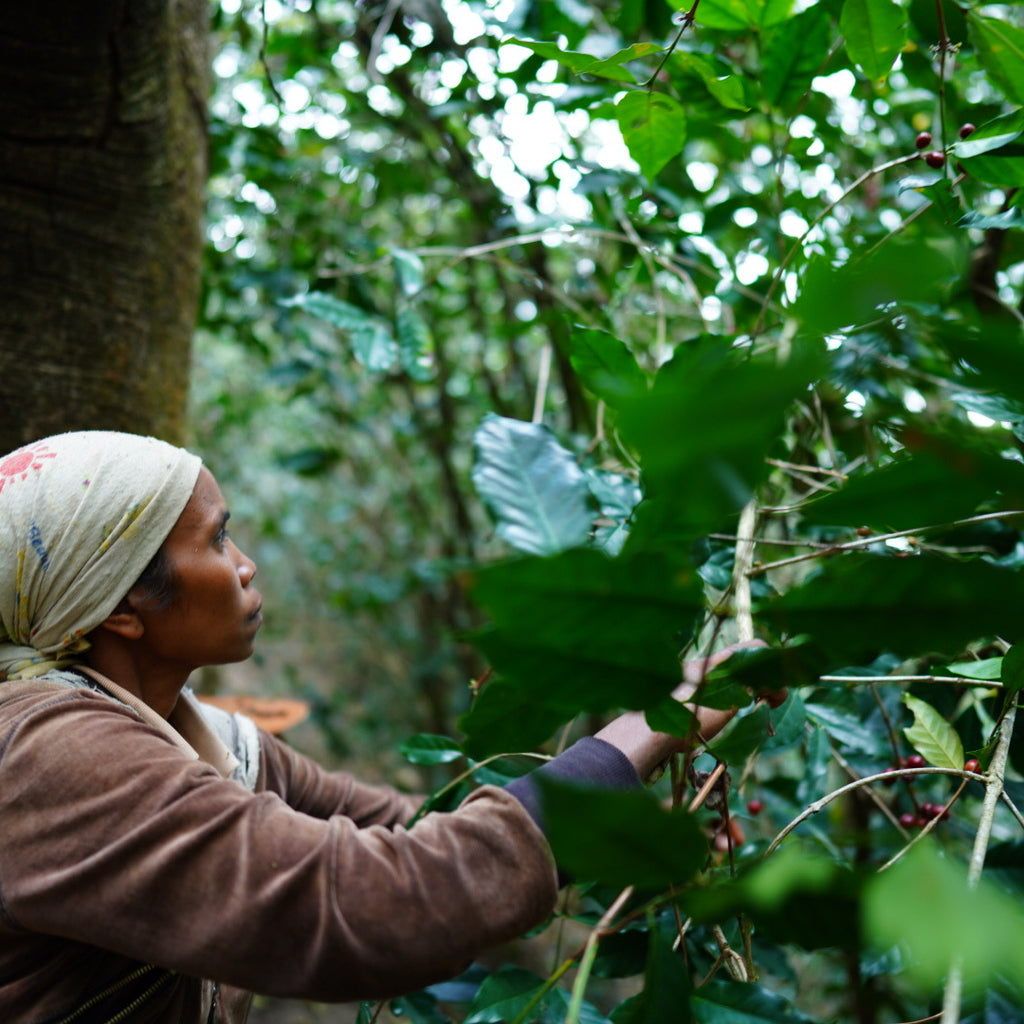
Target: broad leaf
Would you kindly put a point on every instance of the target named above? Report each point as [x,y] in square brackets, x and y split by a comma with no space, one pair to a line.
[1012,669]
[653,126]
[531,485]
[910,605]
[793,56]
[924,905]
[621,837]
[848,731]
[429,749]
[582,63]
[415,345]
[938,483]
[932,736]
[506,995]
[374,346]
[740,15]
[708,382]
[666,992]
[999,45]
[605,365]
[875,32]
[719,1002]
[577,632]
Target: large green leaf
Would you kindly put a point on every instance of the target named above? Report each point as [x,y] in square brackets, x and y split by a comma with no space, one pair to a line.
[999,45]
[577,632]
[939,483]
[620,837]
[653,126]
[875,31]
[666,992]
[719,1002]
[372,342]
[605,365]
[510,991]
[532,486]
[902,271]
[932,736]
[702,434]
[923,904]
[739,15]
[861,604]
[585,64]
[793,56]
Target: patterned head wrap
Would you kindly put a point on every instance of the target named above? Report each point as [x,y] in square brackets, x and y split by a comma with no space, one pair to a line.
[81,515]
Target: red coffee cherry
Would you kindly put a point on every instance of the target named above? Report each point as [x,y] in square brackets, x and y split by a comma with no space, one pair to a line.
[908,820]
[913,761]
[971,764]
[755,806]
[966,130]
[924,140]
[935,158]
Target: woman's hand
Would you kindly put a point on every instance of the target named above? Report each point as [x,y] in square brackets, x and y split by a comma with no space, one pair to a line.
[648,749]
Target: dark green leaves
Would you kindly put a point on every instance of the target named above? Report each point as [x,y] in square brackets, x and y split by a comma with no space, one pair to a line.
[620,837]
[793,56]
[907,605]
[653,126]
[703,432]
[875,32]
[577,632]
[533,487]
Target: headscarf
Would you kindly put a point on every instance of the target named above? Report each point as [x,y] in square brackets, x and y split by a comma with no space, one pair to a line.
[81,515]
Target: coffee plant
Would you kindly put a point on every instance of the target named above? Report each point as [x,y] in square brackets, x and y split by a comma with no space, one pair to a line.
[725,301]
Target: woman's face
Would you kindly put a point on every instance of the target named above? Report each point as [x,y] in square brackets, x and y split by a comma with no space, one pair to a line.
[215,614]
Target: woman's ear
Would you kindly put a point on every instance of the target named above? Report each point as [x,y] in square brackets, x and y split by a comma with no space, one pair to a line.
[124,620]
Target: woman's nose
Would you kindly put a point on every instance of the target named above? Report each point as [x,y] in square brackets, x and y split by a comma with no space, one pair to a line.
[246,570]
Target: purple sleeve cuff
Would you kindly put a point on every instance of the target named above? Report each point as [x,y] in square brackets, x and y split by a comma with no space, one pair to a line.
[589,760]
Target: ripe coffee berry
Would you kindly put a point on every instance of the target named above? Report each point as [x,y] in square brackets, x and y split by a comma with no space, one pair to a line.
[755,806]
[913,761]
[971,765]
[935,158]
[924,140]
[966,129]
[908,820]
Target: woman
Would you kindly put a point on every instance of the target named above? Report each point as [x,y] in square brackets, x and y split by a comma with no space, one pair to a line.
[160,859]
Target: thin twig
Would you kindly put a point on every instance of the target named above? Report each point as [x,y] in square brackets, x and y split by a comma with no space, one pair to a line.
[743,560]
[892,773]
[993,788]
[959,680]
[572,1014]
[862,542]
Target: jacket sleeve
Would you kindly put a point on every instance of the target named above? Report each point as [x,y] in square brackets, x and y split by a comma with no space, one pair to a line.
[307,787]
[111,837]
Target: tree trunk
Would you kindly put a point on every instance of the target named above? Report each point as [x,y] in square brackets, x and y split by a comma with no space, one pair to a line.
[102,171]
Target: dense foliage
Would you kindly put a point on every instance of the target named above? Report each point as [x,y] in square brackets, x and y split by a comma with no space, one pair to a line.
[717,313]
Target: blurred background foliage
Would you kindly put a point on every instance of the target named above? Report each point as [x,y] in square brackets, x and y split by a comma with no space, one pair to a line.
[704,257]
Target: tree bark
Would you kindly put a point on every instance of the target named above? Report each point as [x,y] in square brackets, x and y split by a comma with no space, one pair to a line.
[102,173]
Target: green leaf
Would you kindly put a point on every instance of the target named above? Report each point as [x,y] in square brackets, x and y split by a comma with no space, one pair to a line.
[923,905]
[665,995]
[875,31]
[900,272]
[620,837]
[722,1002]
[426,748]
[505,995]
[985,668]
[739,15]
[584,64]
[653,126]
[408,270]
[332,309]
[939,482]
[415,345]
[727,89]
[793,56]
[707,381]
[1012,218]
[999,45]
[374,346]
[905,606]
[848,730]
[532,486]
[604,364]
[1012,674]
[576,632]
[932,736]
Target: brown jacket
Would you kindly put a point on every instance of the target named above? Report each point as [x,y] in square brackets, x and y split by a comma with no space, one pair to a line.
[117,851]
